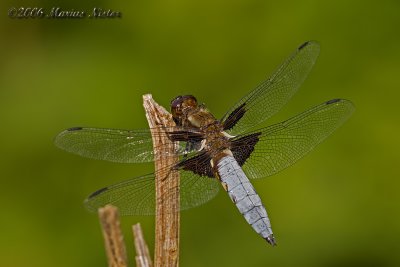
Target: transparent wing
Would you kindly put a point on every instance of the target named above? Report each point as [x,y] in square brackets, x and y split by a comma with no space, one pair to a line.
[278,146]
[136,196]
[272,94]
[125,146]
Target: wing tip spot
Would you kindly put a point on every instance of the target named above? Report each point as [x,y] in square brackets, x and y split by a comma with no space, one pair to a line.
[97,193]
[74,129]
[303,45]
[332,101]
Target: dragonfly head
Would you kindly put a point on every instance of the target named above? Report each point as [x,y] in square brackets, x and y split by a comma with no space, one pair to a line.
[180,106]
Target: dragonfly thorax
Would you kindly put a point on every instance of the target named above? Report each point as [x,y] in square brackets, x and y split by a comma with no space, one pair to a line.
[186,112]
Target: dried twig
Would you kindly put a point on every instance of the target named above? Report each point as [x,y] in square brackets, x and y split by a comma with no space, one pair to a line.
[113,239]
[167,203]
[142,258]
[167,187]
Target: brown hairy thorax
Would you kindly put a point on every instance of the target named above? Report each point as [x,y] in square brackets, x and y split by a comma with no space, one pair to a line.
[186,112]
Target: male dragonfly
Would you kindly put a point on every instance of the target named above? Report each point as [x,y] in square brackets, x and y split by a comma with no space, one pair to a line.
[227,151]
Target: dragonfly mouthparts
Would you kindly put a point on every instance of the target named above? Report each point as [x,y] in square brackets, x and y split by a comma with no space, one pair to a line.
[271,240]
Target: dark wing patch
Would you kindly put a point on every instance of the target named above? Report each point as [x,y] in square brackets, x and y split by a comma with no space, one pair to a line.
[234,117]
[199,164]
[243,147]
[185,136]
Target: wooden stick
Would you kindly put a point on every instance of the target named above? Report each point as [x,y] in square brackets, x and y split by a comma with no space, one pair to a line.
[142,258]
[113,239]
[167,187]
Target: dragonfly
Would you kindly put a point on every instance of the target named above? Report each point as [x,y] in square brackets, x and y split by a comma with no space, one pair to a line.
[217,153]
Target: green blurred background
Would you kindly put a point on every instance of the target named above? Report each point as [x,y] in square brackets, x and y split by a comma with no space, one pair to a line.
[339,206]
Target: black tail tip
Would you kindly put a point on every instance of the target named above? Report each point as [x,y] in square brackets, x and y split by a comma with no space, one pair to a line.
[271,240]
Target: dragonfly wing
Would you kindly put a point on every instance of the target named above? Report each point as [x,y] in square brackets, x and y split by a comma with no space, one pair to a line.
[267,151]
[125,146]
[136,196]
[133,196]
[272,94]
[196,190]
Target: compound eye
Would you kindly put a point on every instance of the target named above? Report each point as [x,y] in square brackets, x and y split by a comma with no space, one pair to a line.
[189,101]
[176,101]
[176,109]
